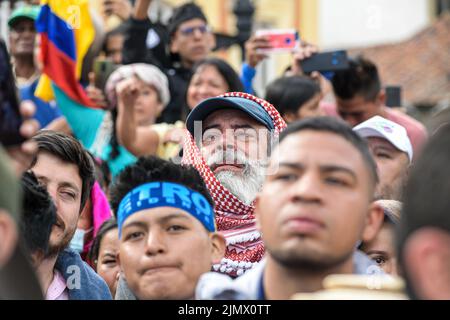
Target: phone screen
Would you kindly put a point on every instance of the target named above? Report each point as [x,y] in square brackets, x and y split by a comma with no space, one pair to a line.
[103,69]
[281,40]
[10,119]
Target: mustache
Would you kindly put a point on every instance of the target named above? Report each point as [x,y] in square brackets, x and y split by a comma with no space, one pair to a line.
[59,222]
[228,156]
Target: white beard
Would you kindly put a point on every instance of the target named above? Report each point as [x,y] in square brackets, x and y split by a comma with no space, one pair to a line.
[244,185]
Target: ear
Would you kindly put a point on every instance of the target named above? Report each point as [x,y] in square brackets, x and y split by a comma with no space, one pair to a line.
[8,237]
[173,46]
[381,98]
[218,248]
[289,117]
[159,109]
[374,222]
[257,208]
[426,256]
[212,41]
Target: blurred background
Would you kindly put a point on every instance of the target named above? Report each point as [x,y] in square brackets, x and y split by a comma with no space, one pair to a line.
[408,39]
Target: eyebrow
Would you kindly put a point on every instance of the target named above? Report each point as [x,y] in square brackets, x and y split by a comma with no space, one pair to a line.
[323,168]
[376,252]
[164,219]
[64,184]
[135,224]
[381,145]
[236,126]
[173,216]
[333,168]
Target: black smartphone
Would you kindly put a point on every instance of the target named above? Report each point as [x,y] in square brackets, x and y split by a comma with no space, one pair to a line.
[393,96]
[103,69]
[326,61]
[10,118]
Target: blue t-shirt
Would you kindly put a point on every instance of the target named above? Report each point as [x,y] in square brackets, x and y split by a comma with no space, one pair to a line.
[46,112]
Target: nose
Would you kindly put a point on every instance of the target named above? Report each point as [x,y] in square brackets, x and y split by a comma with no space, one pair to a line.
[197,33]
[203,89]
[155,243]
[228,139]
[306,189]
[53,192]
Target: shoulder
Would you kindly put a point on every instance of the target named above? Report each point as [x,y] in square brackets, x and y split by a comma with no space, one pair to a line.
[406,121]
[214,285]
[82,281]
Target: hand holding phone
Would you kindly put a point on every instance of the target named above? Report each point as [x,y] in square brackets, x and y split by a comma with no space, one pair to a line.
[280,40]
[325,61]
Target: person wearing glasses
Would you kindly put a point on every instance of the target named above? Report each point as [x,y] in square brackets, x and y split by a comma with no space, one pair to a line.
[175,48]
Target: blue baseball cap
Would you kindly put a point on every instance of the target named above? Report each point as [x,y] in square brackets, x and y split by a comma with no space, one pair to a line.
[208,106]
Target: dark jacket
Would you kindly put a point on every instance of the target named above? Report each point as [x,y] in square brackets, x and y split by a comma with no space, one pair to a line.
[82,281]
[147,42]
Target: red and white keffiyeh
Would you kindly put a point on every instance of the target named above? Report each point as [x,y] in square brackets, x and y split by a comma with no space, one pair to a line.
[234,219]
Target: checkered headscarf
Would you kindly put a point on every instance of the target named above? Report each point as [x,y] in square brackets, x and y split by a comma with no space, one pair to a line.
[235,220]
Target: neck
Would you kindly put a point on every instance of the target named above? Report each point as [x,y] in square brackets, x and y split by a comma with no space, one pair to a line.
[281,283]
[24,66]
[44,271]
[186,64]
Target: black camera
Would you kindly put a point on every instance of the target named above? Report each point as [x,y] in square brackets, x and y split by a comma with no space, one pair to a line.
[10,118]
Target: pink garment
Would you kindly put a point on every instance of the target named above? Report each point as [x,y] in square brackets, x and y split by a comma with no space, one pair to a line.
[101,212]
[58,288]
[416,131]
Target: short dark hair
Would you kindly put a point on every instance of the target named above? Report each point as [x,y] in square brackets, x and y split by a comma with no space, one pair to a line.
[183,13]
[150,169]
[226,71]
[361,78]
[70,150]
[340,128]
[120,30]
[38,214]
[288,94]
[93,253]
[426,201]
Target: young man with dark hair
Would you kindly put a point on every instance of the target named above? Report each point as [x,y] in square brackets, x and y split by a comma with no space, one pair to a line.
[424,230]
[175,48]
[167,230]
[312,211]
[66,170]
[359,97]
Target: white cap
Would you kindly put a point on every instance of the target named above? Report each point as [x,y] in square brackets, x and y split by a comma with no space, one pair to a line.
[394,133]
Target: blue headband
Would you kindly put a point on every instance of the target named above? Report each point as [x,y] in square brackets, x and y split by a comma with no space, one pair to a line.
[166,194]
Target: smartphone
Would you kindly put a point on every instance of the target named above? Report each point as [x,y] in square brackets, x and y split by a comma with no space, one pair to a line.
[281,40]
[393,96]
[10,118]
[326,61]
[103,69]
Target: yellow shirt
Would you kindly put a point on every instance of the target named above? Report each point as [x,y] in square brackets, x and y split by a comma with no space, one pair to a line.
[167,150]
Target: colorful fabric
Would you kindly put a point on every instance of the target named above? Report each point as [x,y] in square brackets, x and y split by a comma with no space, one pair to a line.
[234,219]
[67,32]
[100,210]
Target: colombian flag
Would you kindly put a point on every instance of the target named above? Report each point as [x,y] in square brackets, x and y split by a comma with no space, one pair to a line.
[66,31]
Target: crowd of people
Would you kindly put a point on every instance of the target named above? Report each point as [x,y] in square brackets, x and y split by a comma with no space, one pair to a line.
[183,183]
